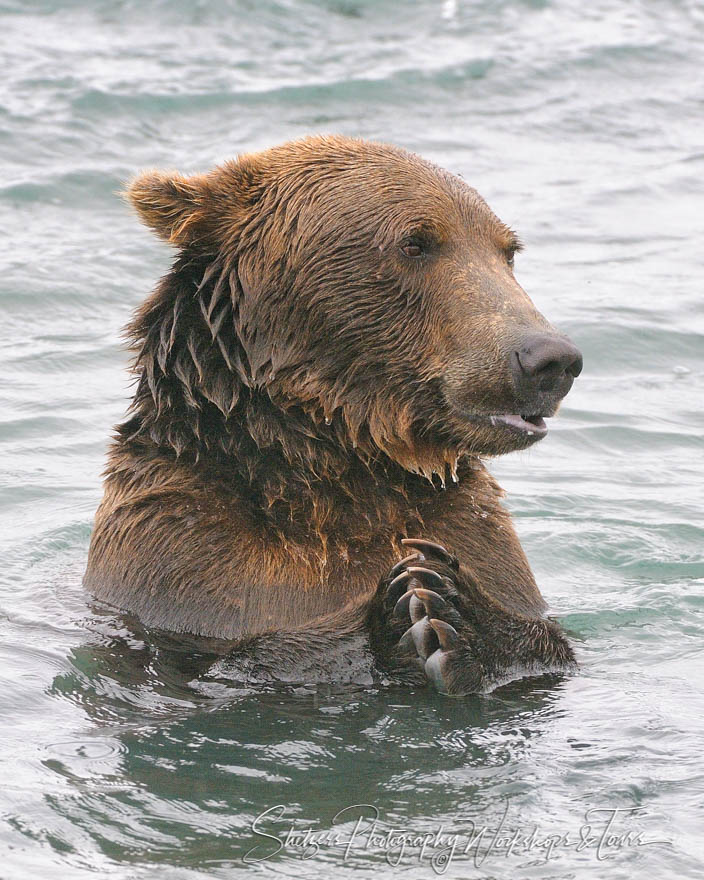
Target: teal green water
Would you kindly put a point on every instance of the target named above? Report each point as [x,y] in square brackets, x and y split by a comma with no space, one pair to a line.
[582,126]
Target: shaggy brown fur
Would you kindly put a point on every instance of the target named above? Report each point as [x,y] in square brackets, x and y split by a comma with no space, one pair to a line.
[317,377]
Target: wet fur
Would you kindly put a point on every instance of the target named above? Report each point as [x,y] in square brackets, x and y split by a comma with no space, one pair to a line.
[263,481]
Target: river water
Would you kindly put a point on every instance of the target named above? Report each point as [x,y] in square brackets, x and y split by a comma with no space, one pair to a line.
[581,124]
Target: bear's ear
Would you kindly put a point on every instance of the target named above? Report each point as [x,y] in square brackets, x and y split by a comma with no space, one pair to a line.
[177,208]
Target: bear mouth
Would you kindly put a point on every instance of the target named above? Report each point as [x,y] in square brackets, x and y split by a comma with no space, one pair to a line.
[532,425]
[525,428]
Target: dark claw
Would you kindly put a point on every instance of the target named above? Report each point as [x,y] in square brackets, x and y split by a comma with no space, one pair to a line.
[447,634]
[407,645]
[433,603]
[416,609]
[430,548]
[398,568]
[420,598]
[421,638]
[398,586]
[432,580]
[402,607]
[434,668]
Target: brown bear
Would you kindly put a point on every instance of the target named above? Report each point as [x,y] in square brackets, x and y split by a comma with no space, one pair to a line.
[340,341]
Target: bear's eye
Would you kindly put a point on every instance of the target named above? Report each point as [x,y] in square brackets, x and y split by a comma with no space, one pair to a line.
[510,255]
[412,248]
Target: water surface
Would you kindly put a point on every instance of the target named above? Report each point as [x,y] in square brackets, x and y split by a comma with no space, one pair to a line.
[582,127]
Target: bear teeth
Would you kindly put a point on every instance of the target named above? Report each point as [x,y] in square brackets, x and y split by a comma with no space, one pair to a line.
[530,424]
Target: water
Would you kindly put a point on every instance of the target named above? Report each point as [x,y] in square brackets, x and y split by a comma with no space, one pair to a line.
[582,126]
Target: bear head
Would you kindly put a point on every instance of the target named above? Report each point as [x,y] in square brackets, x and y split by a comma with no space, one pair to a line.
[359,284]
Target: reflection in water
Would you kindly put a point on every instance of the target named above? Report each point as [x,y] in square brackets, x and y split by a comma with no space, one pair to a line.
[183,763]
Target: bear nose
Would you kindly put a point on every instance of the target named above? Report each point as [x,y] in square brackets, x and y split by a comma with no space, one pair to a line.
[546,361]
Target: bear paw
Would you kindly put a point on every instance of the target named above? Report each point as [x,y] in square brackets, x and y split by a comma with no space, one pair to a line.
[421,601]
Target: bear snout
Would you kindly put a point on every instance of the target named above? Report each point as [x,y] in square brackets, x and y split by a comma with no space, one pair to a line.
[545,363]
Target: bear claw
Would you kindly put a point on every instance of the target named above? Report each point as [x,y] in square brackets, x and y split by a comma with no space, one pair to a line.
[409,605]
[428,614]
[402,563]
[420,639]
[421,597]
[433,550]
[434,603]
[432,580]
[397,587]
[447,635]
